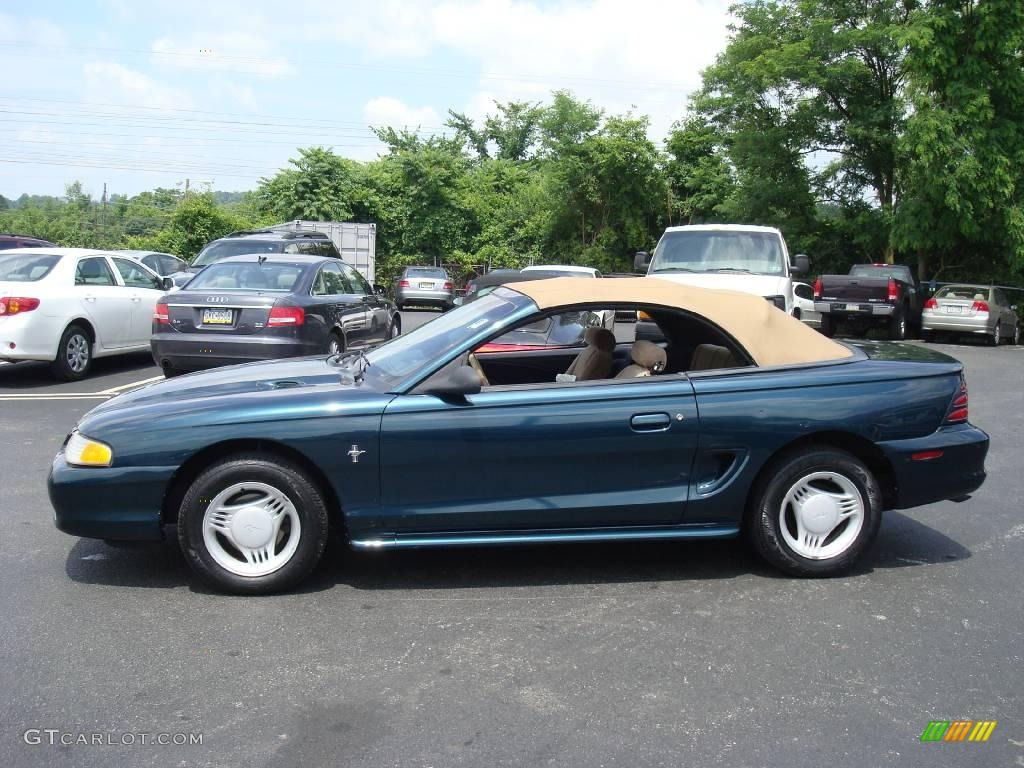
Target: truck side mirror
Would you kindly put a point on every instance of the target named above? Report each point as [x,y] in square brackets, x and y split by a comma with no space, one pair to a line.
[801,265]
[641,261]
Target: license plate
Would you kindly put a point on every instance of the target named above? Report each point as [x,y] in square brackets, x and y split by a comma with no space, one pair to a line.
[426,285]
[849,307]
[954,310]
[217,316]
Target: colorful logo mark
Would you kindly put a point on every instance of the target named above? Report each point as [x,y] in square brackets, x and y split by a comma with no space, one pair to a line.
[958,730]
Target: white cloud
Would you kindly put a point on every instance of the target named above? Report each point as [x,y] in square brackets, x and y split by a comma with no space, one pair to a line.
[235,51]
[32,31]
[108,82]
[385,111]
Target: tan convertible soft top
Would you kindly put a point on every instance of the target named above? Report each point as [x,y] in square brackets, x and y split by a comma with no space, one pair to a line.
[770,336]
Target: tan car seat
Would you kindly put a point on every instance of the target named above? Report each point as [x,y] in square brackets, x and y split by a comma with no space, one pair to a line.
[648,359]
[595,361]
[707,357]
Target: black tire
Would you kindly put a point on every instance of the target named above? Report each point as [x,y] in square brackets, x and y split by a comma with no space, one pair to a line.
[928,336]
[300,489]
[170,371]
[898,326]
[335,343]
[828,325]
[994,339]
[69,354]
[764,517]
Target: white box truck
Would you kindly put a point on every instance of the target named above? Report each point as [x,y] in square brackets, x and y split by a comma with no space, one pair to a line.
[356,243]
[739,257]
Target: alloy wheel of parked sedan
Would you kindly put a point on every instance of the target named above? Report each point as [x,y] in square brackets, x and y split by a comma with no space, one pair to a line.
[996,336]
[253,524]
[335,345]
[396,328]
[74,354]
[1016,335]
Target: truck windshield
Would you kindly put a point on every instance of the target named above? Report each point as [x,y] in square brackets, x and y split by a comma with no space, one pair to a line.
[712,251]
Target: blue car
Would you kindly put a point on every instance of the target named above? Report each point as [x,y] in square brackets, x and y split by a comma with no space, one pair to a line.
[741,421]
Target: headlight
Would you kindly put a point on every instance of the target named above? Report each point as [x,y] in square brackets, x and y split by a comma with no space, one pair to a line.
[86,452]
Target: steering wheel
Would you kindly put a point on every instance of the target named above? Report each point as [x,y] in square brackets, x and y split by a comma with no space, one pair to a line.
[473,363]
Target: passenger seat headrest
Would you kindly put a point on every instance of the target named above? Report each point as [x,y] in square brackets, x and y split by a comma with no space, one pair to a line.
[649,355]
[601,338]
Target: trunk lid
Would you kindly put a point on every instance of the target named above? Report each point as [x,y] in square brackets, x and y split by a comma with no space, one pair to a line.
[846,288]
[232,313]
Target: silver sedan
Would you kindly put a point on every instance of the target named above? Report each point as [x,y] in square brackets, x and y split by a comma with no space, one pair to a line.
[979,310]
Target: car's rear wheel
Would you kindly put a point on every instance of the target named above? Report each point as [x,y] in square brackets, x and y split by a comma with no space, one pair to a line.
[828,325]
[253,524]
[335,344]
[898,326]
[815,512]
[927,336]
[1015,339]
[74,354]
[996,337]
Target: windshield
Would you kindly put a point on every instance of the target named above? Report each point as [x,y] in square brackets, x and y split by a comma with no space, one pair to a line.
[405,354]
[440,274]
[710,251]
[248,276]
[217,251]
[968,292]
[24,268]
[888,271]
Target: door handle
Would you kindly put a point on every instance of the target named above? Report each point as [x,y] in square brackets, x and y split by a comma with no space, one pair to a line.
[136,299]
[650,422]
[90,298]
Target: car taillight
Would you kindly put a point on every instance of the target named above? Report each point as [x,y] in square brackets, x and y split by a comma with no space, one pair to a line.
[957,413]
[13,305]
[404,284]
[893,291]
[980,306]
[160,315]
[931,304]
[286,316]
[817,288]
[447,286]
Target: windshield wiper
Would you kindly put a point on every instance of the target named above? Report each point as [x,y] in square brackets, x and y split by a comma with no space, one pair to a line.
[674,269]
[342,359]
[733,269]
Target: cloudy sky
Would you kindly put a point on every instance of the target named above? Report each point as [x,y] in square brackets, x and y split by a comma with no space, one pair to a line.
[146,94]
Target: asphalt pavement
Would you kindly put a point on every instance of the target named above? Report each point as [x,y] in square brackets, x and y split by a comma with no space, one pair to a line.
[653,654]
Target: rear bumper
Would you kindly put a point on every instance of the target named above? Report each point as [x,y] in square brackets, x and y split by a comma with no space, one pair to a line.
[194,352]
[413,295]
[957,472]
[957,324]
[867,310]
[120,503]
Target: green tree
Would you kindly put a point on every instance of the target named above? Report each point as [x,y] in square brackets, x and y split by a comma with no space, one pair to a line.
[965,140]
[698,172]
[322,187]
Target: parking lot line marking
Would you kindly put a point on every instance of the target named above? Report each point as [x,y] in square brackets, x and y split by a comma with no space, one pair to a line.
[62,396]
[115,390]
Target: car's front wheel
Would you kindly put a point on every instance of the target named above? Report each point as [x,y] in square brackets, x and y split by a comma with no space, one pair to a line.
[828,325]
[253,524]
[396,327]
[815,513]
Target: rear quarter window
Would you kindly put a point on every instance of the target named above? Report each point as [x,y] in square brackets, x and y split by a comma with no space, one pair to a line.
[26,268]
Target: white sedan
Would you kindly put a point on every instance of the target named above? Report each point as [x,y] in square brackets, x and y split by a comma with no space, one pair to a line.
[70,305]
[803,305]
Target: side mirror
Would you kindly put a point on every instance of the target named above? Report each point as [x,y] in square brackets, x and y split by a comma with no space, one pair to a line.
[380,290]
[641,261]
[167,283]
[458,301]
[460,382]
[801,265]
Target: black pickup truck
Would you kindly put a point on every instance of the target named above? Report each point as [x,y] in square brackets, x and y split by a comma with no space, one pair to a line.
[871,295]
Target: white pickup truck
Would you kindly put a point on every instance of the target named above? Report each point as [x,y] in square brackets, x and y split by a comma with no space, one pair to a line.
[738,257]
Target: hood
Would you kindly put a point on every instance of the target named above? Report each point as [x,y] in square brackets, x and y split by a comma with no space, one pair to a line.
[292,373]
[280,390]
[759,285]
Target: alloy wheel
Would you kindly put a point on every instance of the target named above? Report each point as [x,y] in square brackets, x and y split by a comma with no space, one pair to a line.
[251,529]
[77,353]
[821,515]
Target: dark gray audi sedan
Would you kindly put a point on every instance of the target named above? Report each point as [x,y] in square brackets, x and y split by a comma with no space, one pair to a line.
[268,306]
